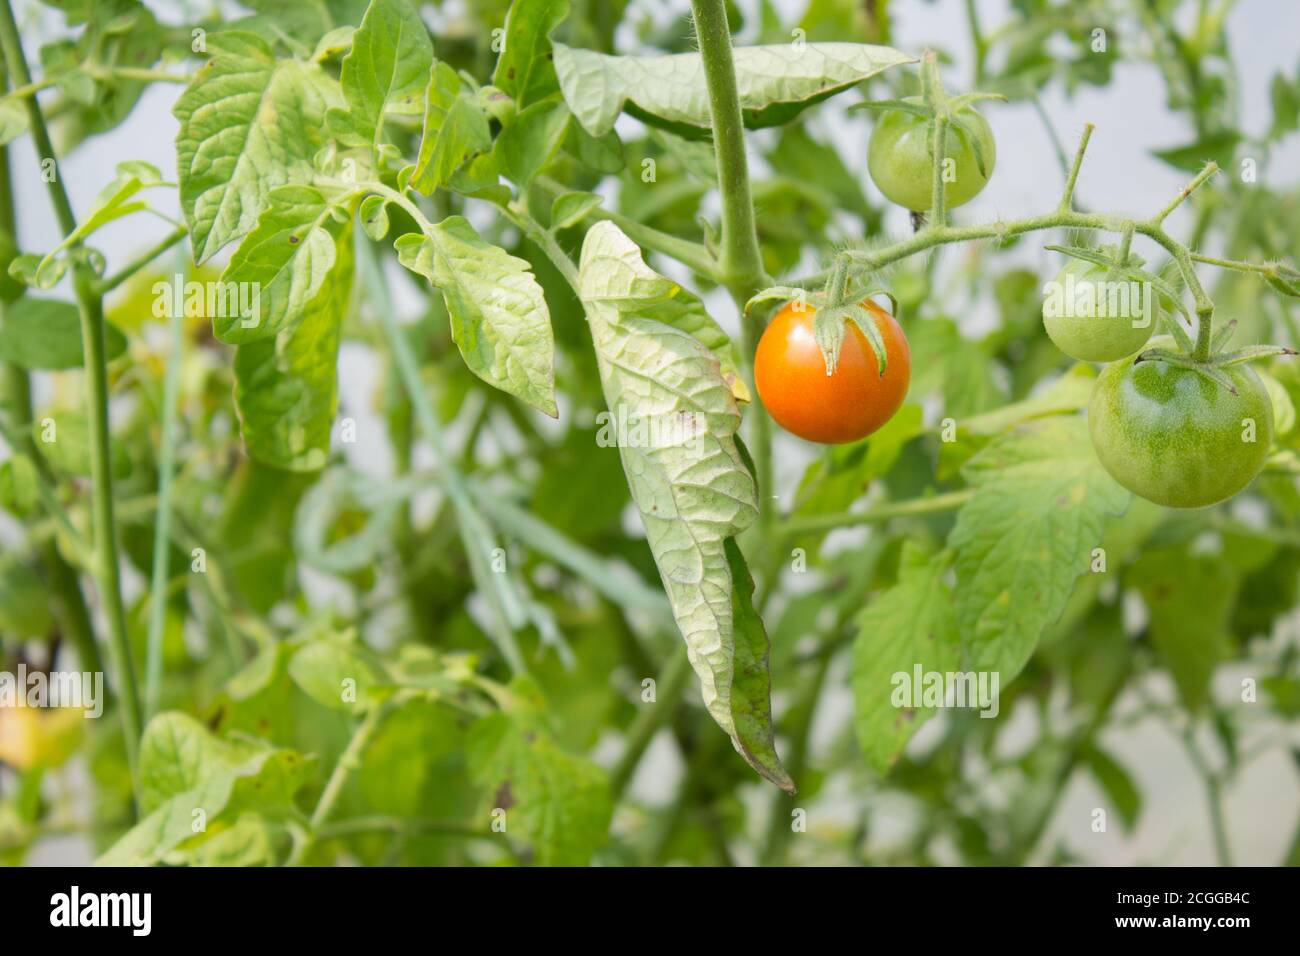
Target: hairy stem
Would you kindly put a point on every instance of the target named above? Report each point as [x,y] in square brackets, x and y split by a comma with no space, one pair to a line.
[741,262]
[1072,179]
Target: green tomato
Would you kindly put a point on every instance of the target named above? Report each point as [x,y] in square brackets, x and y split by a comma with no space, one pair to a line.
[1174,437]
[1095,319]
[898,158]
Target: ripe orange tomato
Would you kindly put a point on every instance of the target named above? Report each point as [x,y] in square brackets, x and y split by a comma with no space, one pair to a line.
[832,409]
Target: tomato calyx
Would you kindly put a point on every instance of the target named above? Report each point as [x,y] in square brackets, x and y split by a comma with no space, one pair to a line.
[1212,368]
[832,310]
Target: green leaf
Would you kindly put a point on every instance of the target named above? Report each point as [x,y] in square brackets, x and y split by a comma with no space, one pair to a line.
[1117,784]
[571,208]
[455,131]
[1067,395]
[604,154]
[63,437]
[249,123]
[531,141]
[113,202]
[46,334]
[18,491]
[1040,506]
[685,473]
[1217,147]
[387,67]
[1189,597]
[557,802]
[751,685]
[775,83]
[13,119]
[912,625]
[524,69]
[247,842]
[333,675]
[499,318]
[1285,98]
[287,260]
[24,605]
[184,768]
[286,387]
[171,824]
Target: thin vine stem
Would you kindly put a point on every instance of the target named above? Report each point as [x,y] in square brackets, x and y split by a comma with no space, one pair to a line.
[162,526]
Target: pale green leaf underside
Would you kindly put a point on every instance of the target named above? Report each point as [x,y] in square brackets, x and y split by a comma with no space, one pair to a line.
[692,489]
[249,123]
[499,318]
[774,82]
[911,624]
[286,387]
[1041,504]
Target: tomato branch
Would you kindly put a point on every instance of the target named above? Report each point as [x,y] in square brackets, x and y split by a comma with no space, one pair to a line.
[883,512]
[688,253]
[109,283]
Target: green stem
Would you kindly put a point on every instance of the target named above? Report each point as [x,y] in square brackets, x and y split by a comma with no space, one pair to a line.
[109,283]
[162,524]
[1213,797]
[1209,170]
[893,509]
[107,570]
[741,262]
[1072,179]
[348,763]
[690,254]
[16,385]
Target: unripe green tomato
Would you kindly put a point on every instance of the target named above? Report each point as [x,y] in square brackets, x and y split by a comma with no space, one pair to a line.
[1095,319]
[898,158]
[1174,437]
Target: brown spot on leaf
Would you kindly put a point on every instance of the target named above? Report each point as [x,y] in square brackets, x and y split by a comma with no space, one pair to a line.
[293,240]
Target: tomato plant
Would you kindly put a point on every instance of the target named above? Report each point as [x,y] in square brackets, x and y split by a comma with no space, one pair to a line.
[845,405]
[390,393]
